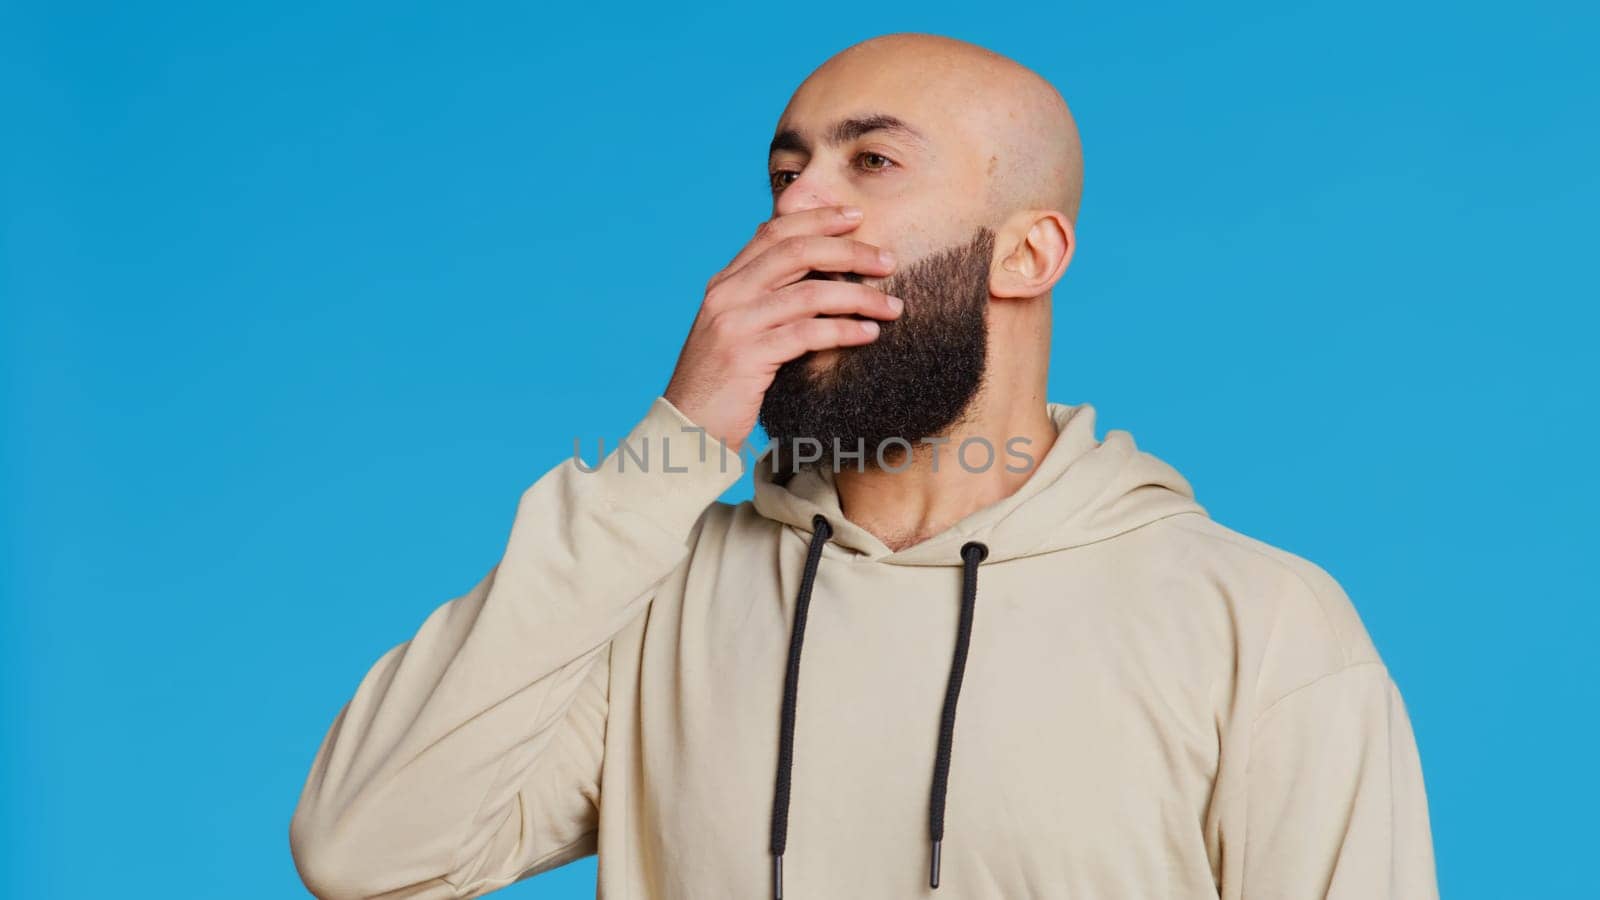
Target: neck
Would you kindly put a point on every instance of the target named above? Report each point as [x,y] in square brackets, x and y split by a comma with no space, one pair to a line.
[932,490]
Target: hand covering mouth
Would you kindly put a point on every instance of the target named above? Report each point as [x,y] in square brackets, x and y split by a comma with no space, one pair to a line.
[854,277]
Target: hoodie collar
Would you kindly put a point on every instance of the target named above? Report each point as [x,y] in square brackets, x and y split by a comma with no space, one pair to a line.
[1083,490]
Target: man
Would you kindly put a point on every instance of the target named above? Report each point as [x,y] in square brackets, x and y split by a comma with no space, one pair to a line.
[1151,705]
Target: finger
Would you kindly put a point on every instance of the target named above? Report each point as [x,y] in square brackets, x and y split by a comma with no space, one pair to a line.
[790,259]
[818,220]
[814,297]
[792,340]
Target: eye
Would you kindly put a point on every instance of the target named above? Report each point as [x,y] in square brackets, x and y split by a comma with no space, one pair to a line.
[868,161]
[873,162]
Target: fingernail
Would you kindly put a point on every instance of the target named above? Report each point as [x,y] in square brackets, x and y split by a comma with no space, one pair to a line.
[886,257]
[896,304]
[850,212]
[869,327]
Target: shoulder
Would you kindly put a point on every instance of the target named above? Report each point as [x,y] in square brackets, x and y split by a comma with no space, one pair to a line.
[1294,621]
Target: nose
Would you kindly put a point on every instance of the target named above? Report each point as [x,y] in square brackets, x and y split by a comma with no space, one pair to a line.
[809,190]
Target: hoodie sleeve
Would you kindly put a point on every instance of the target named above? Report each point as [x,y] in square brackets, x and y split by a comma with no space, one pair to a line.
[1336,807]
[469,756]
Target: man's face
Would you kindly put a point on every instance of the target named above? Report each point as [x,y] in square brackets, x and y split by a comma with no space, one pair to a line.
[862,135]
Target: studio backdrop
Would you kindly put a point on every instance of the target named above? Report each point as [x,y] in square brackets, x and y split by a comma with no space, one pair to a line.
[297,299]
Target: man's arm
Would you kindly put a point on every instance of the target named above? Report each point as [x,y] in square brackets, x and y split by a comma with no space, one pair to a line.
[469,755]
[1336,806]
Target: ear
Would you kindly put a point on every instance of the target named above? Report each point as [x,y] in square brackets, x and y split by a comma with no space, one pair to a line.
[1035,247]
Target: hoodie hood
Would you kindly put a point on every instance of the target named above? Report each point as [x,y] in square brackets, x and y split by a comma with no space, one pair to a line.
[1083,490]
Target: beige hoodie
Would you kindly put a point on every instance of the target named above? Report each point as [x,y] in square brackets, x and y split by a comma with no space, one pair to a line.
[1150,704]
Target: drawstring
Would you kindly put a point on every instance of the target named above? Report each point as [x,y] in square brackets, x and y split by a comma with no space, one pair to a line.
[821,531]
[972,553]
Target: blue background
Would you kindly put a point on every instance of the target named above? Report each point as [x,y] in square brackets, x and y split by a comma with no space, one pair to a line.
[297,301]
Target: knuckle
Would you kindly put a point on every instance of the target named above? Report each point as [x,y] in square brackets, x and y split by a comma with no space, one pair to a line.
[772,340]
[851,299]
[795,248]
[772,343]
[721,327]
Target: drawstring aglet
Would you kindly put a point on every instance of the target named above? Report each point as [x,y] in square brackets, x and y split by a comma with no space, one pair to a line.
[933,872]
[777,877]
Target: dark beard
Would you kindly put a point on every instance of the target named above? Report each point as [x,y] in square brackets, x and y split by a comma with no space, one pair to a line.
[915,381]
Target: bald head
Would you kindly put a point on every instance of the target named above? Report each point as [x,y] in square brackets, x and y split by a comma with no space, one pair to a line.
[1005,125]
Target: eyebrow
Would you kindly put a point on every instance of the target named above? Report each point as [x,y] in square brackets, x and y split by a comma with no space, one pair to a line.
[846,130]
